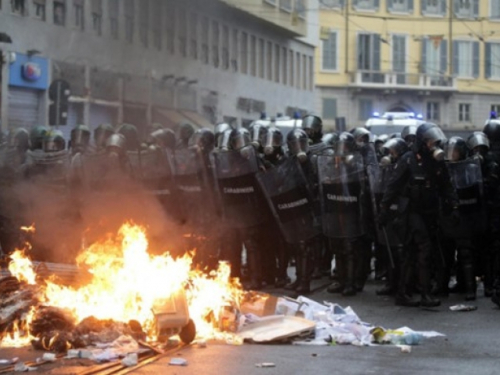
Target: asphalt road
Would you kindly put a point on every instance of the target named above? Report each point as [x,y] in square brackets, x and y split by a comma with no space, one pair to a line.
[471,345]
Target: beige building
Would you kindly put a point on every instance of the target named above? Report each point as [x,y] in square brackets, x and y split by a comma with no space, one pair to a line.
[439,58]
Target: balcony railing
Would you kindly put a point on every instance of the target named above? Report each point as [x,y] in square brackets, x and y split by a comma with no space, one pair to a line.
[413,81]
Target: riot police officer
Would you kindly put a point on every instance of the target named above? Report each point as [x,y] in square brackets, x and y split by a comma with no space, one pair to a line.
[101,135]
[420,183]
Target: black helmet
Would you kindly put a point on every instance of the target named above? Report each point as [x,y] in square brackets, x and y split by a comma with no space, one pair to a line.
[80,137]
[165,138]
[272,140]
[37,135]
[19,139]
[330,139]
[455,149]
[361,136]
[54,141]
[257,131]
[345,145]
[239,138]
[478,142]
[492,130]
[101,134]
[203,140]
[298,143]
[219,131]
[313,126]
[393,149]
[183,133]
[131,135]
[409,134]
[430,139]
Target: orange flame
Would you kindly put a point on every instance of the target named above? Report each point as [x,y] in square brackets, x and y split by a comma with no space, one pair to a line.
[126,283]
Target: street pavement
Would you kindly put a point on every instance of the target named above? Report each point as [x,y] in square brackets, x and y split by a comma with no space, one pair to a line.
[471,345]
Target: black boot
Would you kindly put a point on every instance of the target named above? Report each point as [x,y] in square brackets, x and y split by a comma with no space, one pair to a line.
[470,281]
[403,297]
[305,264]
[350,269]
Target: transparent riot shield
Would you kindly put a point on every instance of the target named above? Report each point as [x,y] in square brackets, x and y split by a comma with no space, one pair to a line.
[287,193]
[342,192]
[239,192]
[467,179]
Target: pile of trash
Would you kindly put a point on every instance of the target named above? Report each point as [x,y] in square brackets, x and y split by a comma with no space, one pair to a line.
[264,318]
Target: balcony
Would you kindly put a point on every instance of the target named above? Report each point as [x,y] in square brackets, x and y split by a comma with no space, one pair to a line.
[402,81]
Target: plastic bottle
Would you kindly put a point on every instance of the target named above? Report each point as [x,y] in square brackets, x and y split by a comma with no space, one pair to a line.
[411,338]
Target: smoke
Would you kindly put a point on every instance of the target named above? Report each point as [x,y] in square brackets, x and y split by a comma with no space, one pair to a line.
[67,221]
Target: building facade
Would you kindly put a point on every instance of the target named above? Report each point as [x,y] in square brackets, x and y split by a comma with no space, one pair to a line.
[166,61]
[439,58]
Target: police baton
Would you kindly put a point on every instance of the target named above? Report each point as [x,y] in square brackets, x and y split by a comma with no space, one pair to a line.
[391,259]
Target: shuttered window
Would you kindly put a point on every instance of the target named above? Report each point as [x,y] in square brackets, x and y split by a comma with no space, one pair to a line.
[329,52]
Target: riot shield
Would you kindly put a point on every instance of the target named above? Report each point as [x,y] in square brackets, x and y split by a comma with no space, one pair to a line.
[49,169]
[342,192]
[103,174]
[151,168]
[467,179]
[287,192]
[238,189]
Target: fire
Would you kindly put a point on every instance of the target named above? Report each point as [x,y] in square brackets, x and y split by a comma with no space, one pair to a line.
[19,335]
[21,267]
[126,282]
[30,229]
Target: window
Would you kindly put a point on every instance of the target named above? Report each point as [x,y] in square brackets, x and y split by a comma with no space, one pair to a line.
[300,8]
[495,108]
[432,113]
[298,70]
[269,56]
[368,57]
[144,22]
[365,109]
[434,7]
[365,4]
[39,6]
[284,63]
[262,58]
[495,9]
[329,108]
[466,8]
[79,15]
[59,12]
[329,52]
[286,5]
[277,65]
[304,72]
[401,6]
[225,47]
[332,3]
[97,16]
[292,68]
[113,18]
[399,57]
[434,57]
[215,43]
[492,60]
[182,31]
[18,7]
[244,53]
[193,36]
[253,55]
[234,50]
[271,2]
[466,59]
[464,114]
[311,73]
[129,20]
[205,29]
[170,24]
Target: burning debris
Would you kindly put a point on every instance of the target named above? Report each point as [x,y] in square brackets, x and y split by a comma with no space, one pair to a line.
[129,293]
